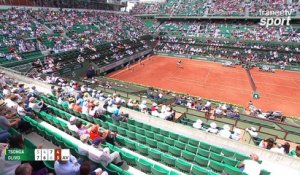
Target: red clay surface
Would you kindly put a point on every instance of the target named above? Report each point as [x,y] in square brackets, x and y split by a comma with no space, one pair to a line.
[278,91]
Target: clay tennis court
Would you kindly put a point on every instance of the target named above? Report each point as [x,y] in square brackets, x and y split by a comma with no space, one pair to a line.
[278,91]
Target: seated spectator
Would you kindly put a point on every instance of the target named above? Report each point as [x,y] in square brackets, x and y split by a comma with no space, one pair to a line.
[207,106]
[267,143]
[143,106]
[97,136]
[236,134]
[11,101]
[77,107]
[251,167]
[22,112]
[218,110]
[286,147]
[119,115]
[154,111]
[24,169]
[105,157]
[86,169]
[198,124]
[213,128]
[69,167]
[278,148]
[225,132]
[37,107]
[72,124]
[82,129]
[252,132]
[296,152]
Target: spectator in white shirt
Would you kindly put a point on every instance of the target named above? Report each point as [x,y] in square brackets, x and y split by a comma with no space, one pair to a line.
[35,106]
[104,156]
[198,124]
[72,124]
[252,131]
[236,134]
[11,101]
[213,128]
[21,110]
[251,167]
[278,149]
[225,132]
[143,106]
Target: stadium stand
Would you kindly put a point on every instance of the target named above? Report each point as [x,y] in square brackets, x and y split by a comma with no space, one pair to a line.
[55,47]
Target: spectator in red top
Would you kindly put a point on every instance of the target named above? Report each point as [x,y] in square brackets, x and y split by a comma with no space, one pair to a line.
[77,108]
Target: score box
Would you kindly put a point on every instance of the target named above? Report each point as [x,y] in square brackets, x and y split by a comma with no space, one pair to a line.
[38,154]
[65,154]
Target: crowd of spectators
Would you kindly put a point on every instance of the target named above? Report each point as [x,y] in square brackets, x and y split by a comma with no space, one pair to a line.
[28,30]
[20,101]
[214,8]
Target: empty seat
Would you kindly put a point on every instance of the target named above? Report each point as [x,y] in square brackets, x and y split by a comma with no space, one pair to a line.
[179,144]
[191,149]
[183,165]
[163,147]
[152,143]
[197,170]
[144,165]
[201,161]
[232,170]
[216,157]
[159,137]
[169,141]
[143,150]
[168,160]
[205,146]
[157,170]
[188,156]
[154,154]
[216,166]
[140,138]
[203,153]
[175,151]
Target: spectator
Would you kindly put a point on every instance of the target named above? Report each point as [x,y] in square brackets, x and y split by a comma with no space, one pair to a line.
[252,131]
[105,157]
[198,124]
[236,134]
[296,152]
[72,124]
[24,169]
[286,147]
[85,169]
[213,128]
[37,107]
[69,167]
[251,167]
[225,132]
[278,148]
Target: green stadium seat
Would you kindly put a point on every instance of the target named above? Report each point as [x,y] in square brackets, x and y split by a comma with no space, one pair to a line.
[129,144]
[143,150]
[183,166]
[216,166]
[130,159]
[165,133]
[155,129]
[264,172]
[174,136]
[191,149]
[229,161]
[188,156]
[216,157]
[112,127]
[140,138]
[120,141]
[149,134]
[152,143]
[227,153]
[157,170]
[241,157]
[203,152]
[175,151]
[201,161]
[144,166]
[147,127]
[183,139]
[179,144]
[205,146]
[132,128]
[162,146]
[169,141]
[168,160]
[215,149]
[159,137]
[232,170]
[140,131]
[121,131]
[131,135]
[194,142]
[197,170]
[123,125]
[154,154]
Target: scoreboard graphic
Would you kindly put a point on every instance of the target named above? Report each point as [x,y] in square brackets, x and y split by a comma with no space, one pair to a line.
[37,154]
